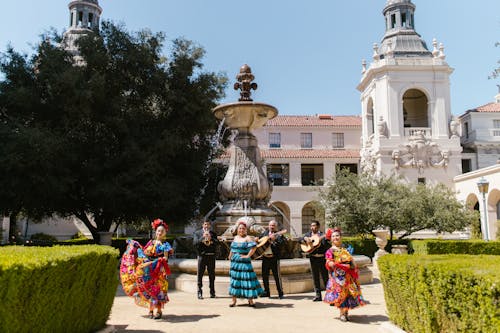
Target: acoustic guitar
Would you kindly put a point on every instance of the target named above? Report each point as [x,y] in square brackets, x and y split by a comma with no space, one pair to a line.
[315,243]
[264,246]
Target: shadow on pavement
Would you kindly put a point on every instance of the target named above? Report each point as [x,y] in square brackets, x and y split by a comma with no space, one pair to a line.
[259,305]
[186,318]
[367,319]
[123,328]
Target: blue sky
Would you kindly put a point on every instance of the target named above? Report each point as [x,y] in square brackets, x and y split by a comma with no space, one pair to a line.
[306,55]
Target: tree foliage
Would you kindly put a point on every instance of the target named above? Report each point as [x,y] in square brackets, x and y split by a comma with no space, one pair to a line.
[361,203]
[126,136]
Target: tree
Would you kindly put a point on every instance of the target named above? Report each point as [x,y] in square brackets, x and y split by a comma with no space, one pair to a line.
[362,203]
[496,72]
[124,137]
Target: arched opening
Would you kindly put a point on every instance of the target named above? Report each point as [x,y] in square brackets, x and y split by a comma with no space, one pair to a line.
[472,203]
[415,113]
[493,213]
[283,217]
[312,211]
[369,117]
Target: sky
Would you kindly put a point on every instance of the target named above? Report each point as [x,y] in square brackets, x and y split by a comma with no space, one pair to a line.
[305,55]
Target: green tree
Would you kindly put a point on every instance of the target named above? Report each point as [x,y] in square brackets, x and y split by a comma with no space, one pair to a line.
[124,137]
[361,203]
[496,72]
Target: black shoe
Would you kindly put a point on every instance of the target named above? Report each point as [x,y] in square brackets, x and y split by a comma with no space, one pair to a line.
[212,295]
[200,295]
[281,296]
[265,294]
[317,299]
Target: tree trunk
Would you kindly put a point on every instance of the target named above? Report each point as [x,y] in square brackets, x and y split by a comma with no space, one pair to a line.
[13,236]
[93,230]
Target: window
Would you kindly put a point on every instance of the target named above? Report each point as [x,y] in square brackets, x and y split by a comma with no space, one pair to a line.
[403,19]
[278,174]
[80,18]
[274,140]
[421,181]
[496,123]
[466,165]
[338,140]
[393,21]
[466,130]
[305,140]
[311,174]
[308,215]
[353,168]
[90,21]
[71,19]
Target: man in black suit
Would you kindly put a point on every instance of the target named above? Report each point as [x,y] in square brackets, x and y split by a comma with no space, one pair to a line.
[317,257]
[271,259]
[205,241]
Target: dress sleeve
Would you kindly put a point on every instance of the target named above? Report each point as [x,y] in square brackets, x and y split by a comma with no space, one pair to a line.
[166,247]
[251,244]
[329,254]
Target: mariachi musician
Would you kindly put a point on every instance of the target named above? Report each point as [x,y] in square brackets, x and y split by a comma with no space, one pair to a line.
[271,258]
[316,256]
[205,242]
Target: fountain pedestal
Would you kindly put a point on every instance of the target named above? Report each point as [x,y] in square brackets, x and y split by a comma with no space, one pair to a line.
[245,190]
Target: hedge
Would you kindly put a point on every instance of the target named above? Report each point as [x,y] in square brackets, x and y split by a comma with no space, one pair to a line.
[56,289]
[436,246]
[442,293]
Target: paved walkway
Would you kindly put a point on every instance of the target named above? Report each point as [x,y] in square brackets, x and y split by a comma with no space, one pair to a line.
[295,313]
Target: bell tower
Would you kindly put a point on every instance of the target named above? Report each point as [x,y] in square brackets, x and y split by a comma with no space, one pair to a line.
[407,126]
[84,16]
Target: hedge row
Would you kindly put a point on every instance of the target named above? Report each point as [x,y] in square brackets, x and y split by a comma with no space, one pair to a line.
[435,246]
[442,293]
[56,289]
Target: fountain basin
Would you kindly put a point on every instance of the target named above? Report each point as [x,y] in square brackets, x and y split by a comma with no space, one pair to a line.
[242,115]
[295,275]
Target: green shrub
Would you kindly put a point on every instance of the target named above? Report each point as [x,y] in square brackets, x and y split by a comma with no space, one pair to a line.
[362,246]
[43,237]
[56,289]
[434,246]
[442,293]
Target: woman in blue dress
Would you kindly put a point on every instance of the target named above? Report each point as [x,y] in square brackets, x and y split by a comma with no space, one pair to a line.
[243,280]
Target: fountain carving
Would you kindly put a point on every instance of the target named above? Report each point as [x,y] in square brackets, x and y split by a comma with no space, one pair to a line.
[245,190]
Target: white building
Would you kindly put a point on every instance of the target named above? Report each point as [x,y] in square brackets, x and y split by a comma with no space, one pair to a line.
[301,152]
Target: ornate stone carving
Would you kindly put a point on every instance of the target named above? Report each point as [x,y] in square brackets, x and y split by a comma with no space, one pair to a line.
[454,128]
[368,162]
[420,153]
[382,127]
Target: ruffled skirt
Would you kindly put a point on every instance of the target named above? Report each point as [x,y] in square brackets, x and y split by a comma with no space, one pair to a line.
[244,282]
[343,291]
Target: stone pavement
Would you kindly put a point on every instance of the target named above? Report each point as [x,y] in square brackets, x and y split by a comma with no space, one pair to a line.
[295,313]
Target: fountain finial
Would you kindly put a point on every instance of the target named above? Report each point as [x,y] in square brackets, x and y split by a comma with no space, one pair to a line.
[245,84]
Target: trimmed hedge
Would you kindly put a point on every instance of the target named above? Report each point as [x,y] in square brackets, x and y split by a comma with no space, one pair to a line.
[442,293]
[436,246]
[56,289]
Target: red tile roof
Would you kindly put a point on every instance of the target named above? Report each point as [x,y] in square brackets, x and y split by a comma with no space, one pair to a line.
[303,153]
[490,107]
[315,121]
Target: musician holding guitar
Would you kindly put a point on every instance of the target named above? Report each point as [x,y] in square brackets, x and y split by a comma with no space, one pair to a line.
[271,257]
[315,245]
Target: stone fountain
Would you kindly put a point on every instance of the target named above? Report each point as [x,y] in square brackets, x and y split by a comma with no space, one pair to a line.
[245,190]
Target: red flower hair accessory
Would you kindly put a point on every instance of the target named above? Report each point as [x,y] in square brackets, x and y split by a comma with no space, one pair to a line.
[330,231]
[159,222]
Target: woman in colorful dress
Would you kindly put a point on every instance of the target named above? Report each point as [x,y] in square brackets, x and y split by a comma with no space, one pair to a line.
[243,280]
[144,270]
[342,289]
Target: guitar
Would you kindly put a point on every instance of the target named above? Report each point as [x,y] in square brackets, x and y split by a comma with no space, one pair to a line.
[264,246]
[313,245]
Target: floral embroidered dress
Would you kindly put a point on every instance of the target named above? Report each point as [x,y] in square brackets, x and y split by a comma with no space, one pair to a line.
[144,272]
[342,289]
[243,280]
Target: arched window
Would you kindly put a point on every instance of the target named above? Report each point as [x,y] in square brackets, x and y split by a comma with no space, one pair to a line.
[415,113]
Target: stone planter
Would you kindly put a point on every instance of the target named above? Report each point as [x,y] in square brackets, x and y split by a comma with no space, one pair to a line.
[381,236]
[105,237]
[399,249]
